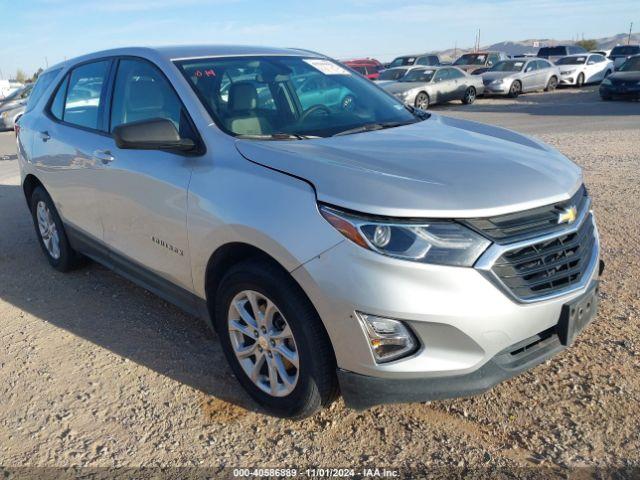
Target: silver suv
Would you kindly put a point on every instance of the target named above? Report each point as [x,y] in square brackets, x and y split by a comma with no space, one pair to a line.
[335,239]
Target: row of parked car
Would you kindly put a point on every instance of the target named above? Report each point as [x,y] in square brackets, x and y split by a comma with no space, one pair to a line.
[423,80]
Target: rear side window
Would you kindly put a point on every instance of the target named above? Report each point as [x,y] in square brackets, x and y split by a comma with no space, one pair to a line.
[84,94]
[39,88]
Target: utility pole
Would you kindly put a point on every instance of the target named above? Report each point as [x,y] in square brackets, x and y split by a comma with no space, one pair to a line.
[629,37]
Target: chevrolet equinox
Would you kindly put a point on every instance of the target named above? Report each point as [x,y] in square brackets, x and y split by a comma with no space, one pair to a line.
[335,239]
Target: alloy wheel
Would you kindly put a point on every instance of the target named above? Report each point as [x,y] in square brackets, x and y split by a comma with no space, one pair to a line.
[470,95]
[422,101]
[263,343]
[48,230]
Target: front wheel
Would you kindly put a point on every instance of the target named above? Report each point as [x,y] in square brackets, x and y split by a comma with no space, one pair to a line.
[580,81]
[422,101]
[552,84]
[469,96]
[515,90]
[274,340]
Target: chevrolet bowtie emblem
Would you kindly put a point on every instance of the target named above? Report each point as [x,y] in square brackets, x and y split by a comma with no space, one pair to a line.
[568,215]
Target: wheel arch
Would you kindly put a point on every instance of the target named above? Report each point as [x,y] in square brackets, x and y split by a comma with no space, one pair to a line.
[29,184]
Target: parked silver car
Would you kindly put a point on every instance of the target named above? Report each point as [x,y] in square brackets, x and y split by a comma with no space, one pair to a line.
[513,77]
[375,250]
[423,87]
[12,107]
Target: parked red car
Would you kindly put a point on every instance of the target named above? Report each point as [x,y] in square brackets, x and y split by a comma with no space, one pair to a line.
[369,67]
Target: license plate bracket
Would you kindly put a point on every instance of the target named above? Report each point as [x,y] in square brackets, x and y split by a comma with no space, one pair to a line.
[577,314]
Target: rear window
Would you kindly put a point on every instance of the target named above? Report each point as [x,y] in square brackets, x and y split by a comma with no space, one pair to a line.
[552,51]
[40,87]
[393,74]
[626,50]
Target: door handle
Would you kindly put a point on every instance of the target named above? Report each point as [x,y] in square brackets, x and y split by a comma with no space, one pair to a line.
[44,136]
[104,156]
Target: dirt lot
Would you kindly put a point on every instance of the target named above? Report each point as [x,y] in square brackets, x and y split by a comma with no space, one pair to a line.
[95,371]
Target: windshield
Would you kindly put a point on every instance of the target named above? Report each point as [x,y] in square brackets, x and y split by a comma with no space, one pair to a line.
[508,66]
[402,62]
[625,50]
[631,65]
[471,59]
[288,95]
[552,51]
[418,75]
[393,74]
[571,61]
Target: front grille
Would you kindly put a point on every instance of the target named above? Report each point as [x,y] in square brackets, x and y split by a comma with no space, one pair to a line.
[528,224]
[548,266]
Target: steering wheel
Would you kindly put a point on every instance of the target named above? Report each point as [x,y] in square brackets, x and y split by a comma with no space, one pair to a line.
[315,108]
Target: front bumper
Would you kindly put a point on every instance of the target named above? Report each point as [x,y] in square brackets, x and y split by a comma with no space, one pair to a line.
[361,391]
[632,91]
[463,321]
[568,79]
[496,89]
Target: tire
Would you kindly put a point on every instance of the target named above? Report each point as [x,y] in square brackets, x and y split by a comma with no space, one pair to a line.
[422,101]
[313,383]
[580,81]
[607,73]
[469,96]
[515,90]
[51,234]
[552,84]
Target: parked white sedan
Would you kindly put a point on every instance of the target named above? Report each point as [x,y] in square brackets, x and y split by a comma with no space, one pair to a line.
[584,68]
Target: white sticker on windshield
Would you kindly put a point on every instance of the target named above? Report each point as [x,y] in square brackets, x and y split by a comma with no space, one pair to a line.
[326,67]
[519,64]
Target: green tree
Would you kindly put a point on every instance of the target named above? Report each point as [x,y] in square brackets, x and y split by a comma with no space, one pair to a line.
[36,75]
[588,45]
[21,76]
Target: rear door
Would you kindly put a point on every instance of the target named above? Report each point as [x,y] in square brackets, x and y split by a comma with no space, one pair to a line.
[529,76]
[144,209]
[67,145]
[444,86]
[460,82]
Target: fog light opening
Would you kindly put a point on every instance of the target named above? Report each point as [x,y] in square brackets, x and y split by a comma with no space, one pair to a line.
[388,339]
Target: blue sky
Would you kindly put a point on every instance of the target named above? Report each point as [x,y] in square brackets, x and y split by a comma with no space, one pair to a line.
[32,30]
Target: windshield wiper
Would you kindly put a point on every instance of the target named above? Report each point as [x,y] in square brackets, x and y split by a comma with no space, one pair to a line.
[370,127]
[278,136]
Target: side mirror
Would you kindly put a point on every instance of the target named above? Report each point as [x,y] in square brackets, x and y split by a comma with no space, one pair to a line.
[154,134]
[591,62]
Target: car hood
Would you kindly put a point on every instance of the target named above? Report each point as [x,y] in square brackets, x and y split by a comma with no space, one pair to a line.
[625,76]
[10,105]
[401,87]
[491,76]
[441,167]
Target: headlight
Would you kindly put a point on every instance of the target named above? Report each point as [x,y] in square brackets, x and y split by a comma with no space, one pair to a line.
[439,242]
[497,81]
[388,339]
[5,114]
[606,81]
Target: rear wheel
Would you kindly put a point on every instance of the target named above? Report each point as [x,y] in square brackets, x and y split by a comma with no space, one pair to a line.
[580,81]
[469,96]
[552,84]
[274,340]
[422,101]
[516,89]
[51,234]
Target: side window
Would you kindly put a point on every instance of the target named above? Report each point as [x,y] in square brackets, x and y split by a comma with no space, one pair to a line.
[454,73]
[493,59]
[541,65]
[140,93]
[84,97]
[57,105]
[441,75]
[39,88]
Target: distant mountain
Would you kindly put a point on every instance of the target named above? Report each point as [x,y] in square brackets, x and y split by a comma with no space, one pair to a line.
[532,45]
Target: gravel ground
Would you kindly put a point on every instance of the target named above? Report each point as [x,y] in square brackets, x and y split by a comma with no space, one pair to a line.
[97,372]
